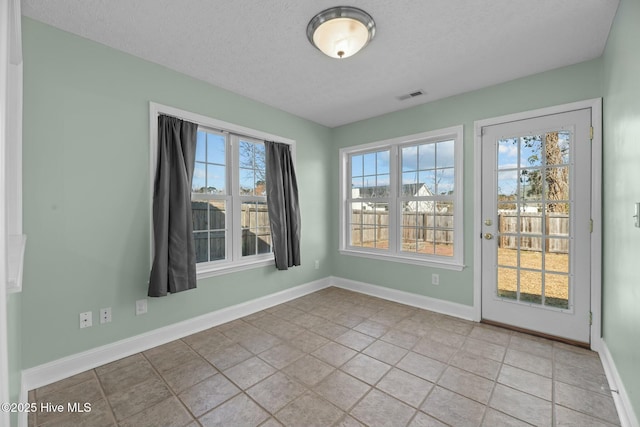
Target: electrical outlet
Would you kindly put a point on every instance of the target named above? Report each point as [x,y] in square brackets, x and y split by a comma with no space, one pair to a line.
[86,319]
[105,315]
[317,264]
[141,307]
[435,279]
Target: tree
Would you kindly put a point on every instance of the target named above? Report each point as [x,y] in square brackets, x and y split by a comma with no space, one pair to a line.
[253,164]
[556,176]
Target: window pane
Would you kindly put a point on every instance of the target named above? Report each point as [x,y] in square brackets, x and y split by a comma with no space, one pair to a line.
[444,242]
[508,153]
[356,187]
[201,240]
[531,286]
[249,245]
[531,252]
[531,184]
[557,186]
[264,240]
[426,183]
[382,186]
[382,159]
[410,158]
[507,185]
[198,183]
[217,215]
[201,147]
[259,157]
[256,233]
[356,235]
[557,257]
[247,181]
[216,179]
[556,290]
[369,164]
[216,149]
[530,154]
[563,145]
[217,245]
[246,152]
[356,166]
[507,286]
[444,213]
[209,229]
[444,181]
[252,168]
[426,156]
[409,183]
[445,155]
[199,213]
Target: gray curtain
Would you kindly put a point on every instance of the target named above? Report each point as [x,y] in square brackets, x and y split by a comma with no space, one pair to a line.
[174,263]
[282,202]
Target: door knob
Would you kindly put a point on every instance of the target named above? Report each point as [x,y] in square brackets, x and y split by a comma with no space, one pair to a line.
[488,236]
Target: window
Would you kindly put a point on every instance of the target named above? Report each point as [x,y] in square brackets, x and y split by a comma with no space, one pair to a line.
[228,193]
[402,199]
[225,188]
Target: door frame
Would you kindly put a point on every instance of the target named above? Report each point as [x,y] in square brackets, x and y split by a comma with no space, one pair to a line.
[596,205]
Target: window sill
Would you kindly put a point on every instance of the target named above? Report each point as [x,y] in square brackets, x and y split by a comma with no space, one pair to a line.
[211,270]
[403,259]
[15,260]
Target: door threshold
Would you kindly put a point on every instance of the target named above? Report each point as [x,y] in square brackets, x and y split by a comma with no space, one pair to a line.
[537,334]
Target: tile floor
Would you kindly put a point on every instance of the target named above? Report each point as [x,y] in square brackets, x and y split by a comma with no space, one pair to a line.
[339,358]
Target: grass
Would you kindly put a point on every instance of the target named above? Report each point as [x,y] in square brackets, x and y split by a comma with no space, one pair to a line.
[556,286]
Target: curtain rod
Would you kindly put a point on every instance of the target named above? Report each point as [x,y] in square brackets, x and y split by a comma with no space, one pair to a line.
[210,127]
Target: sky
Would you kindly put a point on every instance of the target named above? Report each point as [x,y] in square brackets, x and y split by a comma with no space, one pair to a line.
[430,164]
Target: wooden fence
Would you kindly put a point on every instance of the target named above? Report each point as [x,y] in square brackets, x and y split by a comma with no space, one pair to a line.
[556,227]
[254,220]
[422,227]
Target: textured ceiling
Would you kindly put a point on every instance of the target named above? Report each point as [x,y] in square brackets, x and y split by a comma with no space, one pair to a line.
[259,49]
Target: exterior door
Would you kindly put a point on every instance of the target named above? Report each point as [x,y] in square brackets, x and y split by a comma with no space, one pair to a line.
[536,231]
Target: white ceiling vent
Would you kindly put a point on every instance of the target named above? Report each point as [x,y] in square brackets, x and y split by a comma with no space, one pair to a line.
[411,95]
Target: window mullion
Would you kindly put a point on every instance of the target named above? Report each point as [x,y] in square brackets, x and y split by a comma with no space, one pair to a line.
[234,179]
[395,181]
[348,198]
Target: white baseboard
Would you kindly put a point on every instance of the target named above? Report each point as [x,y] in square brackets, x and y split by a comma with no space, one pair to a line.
[65,367]
[415,300]
[71,365]
[626,413]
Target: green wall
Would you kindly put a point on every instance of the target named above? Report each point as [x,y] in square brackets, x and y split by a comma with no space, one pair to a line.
[569,84]
[621,279]
[87,191]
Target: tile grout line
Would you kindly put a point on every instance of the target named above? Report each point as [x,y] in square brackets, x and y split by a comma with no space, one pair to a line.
[104,396]
[386,314]
[174,394]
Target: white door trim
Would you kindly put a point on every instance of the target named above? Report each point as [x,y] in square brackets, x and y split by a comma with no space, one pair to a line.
[596,199]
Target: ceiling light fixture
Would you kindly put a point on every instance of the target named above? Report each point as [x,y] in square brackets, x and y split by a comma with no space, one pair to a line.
[342,31]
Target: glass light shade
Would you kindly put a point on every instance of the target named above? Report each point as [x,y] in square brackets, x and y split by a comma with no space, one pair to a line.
[341,37]
[340,32]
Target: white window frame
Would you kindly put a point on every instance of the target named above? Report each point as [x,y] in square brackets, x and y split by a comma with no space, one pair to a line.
[234,261]
[394,253]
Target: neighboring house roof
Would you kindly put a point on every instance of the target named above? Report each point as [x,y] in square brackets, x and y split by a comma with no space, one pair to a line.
[418,190]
